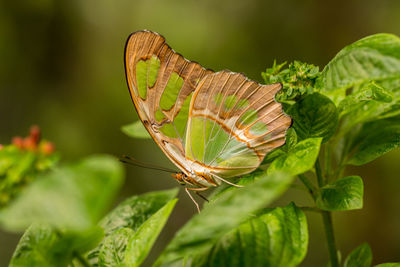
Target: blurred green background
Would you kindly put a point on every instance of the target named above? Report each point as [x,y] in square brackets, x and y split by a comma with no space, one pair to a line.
[61,67]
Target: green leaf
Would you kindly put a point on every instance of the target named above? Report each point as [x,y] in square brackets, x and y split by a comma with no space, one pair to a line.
[142,241]
[136,130]
[72,197]
[343,194]
[360,257]
[277,238]
[314,116]
[389,264]
[130,214]
[371,92]
[376,57]
[226,212]
[374,140]
[39,246]
[42,246]
[299,159]
[113,250]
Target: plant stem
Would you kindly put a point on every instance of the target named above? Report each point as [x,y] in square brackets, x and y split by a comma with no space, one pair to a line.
[81,259]
[311,188]
[330,237]
[327,220]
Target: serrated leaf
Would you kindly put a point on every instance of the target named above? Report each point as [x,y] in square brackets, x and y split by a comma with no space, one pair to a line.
[132,213]
[360,257]
[72,197]
[136,130]
[314,116]
[277,238]
[374,140]
[376,57]
[343,194]
[223,214]
[299,159]
[142,241]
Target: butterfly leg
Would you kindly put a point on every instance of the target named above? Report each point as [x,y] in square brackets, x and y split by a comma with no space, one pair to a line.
[194,201]
[198,190]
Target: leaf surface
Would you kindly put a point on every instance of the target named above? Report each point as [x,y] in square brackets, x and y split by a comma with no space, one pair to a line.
[343,194]
[226,212]
[276,238]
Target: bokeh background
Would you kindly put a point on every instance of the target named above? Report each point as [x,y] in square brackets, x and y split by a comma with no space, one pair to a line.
[61,67]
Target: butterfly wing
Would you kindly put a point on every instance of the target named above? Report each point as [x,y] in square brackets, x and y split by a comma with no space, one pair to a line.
[233,124]
[161,83]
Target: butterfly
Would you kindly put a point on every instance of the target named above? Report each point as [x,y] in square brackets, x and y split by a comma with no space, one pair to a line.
[211,125]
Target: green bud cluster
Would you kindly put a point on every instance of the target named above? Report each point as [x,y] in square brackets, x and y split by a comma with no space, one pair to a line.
[297,80]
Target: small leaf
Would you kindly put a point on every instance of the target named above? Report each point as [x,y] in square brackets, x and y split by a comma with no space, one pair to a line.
[360,257]
[136,130]
[277,238]
[314,116]
[291,139]
[374,140]
[131,213]
[141,242]
[376,57]
[226,212]
[389,264]
[343,194]
[72,197]
[299,159]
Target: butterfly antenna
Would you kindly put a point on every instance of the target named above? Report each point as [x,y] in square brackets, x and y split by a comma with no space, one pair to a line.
[135,162]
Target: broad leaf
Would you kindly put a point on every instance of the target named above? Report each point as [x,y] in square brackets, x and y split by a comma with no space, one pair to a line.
[226,212]
[314,116]
[42,246]
[343,194]
[360,257]
[298,159]
[376,57]
[136,130]
[72,197]
[130,214]
[277,238]
[375,139]
[142,241]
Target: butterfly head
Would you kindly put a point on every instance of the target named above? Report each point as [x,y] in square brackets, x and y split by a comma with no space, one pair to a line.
[180,177]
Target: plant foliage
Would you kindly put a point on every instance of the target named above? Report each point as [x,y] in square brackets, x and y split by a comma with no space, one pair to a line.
[347,114]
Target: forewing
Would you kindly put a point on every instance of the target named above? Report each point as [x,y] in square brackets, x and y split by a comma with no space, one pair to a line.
[234,123]
[161,83]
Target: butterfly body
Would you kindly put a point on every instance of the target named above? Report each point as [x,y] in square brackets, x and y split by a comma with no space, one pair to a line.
[211,125]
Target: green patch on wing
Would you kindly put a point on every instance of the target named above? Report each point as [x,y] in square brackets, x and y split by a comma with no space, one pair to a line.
[218,98]
[230,102]
[159,115]
[248,117]
[259,128]
[171,91]
[209,143]
[146,74]
[168,130]
[181,119]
